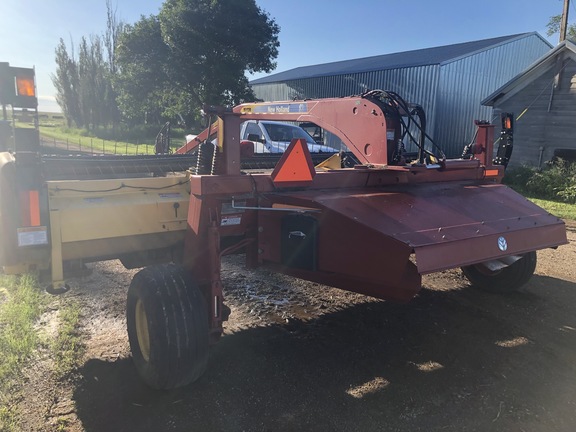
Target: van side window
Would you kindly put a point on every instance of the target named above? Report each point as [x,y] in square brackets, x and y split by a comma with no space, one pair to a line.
[252,128]
[279,132]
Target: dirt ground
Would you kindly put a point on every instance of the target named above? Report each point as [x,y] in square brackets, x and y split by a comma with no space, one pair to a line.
[298,356]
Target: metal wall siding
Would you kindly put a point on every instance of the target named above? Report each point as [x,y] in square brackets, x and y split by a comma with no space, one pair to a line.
[450,93]
[412,83]
[416,85]
[465,82]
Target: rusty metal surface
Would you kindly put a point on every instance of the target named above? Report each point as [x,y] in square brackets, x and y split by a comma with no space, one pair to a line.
[447,225]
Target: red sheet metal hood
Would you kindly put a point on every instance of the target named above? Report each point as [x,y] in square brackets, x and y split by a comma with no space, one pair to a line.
[447,225]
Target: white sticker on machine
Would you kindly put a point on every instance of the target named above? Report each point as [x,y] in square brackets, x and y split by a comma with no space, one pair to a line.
[173,195]
[230,220]
[32,236]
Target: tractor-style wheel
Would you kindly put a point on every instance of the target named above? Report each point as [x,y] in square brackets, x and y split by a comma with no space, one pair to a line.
[167,326]
[505,280]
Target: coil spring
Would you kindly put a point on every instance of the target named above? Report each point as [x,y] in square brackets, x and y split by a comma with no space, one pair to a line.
[206,159]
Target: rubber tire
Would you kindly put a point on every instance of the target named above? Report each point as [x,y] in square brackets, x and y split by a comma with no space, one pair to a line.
[507,280]
[177,326]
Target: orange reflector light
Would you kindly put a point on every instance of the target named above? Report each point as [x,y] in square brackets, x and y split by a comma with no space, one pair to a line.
[30,208]
[25,86]
[34,208]
[295,168]
[491,173]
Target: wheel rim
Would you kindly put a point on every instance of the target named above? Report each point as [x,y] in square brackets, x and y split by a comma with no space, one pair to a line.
[142,330]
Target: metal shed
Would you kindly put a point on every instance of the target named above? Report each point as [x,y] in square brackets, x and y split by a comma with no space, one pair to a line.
[448,81]
[543,97]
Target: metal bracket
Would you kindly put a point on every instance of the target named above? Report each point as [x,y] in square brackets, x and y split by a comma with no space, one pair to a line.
[290,209]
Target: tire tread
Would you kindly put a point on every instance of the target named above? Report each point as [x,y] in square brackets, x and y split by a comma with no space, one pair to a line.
[506,280]
[177,324]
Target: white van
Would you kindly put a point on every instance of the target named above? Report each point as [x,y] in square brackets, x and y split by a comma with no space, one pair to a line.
[275,137]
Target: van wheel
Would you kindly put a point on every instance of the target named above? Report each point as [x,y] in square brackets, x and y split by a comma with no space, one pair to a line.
[506,280]
[167,326]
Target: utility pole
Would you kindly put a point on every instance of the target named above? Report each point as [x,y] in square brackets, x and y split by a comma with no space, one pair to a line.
[564,22]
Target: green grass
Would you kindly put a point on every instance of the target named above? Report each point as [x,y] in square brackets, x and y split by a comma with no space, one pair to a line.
[20,308]
[562,210]
[73,140]
[123,140]
[21,303]
[62,425]
[552,187]
[68,348]
[8,418]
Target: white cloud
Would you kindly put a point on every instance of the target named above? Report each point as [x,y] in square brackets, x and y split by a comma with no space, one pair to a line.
[47,103]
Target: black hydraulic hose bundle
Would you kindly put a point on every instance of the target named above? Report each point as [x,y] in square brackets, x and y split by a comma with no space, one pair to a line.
[400,111]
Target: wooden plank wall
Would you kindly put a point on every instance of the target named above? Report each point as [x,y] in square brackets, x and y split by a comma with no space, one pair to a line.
[550,121]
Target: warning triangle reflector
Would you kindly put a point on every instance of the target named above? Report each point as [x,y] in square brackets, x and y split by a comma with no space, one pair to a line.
[295,167]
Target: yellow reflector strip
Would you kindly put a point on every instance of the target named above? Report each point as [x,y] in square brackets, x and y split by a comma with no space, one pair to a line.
[491,173]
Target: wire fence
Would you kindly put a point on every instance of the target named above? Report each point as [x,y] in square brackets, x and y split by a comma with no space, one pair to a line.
[96,146]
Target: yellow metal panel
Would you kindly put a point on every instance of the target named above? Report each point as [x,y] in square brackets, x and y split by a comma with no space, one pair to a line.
[56,252]
[98,209]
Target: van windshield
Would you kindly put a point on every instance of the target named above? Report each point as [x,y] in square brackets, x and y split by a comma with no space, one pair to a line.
[286,133]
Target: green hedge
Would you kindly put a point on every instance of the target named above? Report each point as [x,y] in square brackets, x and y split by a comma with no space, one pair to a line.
[556,181]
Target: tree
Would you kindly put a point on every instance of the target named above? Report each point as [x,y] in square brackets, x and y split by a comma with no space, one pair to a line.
[194,52]
[84,84]
[142,81]
[67,83]
[553,27]
[114,28]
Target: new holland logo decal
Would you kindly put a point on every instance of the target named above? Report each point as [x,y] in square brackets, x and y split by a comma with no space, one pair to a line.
[502,244]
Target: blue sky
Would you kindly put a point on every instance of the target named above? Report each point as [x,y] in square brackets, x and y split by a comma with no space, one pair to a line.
[312,31]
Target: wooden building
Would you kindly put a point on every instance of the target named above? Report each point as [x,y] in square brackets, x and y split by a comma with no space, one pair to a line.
[543,100]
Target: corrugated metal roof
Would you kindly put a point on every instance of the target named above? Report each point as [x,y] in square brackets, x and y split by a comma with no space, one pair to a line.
[531,73]
[421,57]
